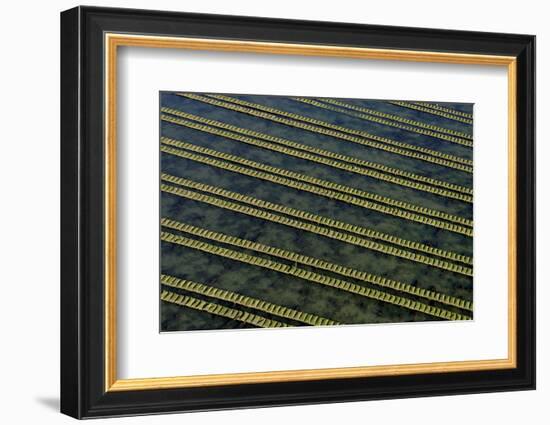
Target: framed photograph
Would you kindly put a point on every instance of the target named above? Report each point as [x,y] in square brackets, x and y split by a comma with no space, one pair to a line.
[261,212]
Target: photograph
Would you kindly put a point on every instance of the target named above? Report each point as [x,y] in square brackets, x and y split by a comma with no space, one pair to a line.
[279,213]
[282,211]
[271,211]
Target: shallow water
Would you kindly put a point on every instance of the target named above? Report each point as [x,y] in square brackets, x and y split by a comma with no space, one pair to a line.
[289,291]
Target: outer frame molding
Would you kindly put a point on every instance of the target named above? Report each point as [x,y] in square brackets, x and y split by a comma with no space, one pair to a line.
[89,38]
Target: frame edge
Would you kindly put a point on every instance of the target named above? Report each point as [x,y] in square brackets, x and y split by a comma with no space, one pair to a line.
[70,349]
[526,218]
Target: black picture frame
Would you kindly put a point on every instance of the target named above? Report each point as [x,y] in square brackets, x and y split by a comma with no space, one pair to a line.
[83,392]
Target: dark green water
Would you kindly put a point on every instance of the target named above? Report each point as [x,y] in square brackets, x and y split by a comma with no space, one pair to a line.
[261,283]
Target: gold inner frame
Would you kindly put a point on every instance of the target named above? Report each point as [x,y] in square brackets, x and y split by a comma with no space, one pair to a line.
[113,41]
